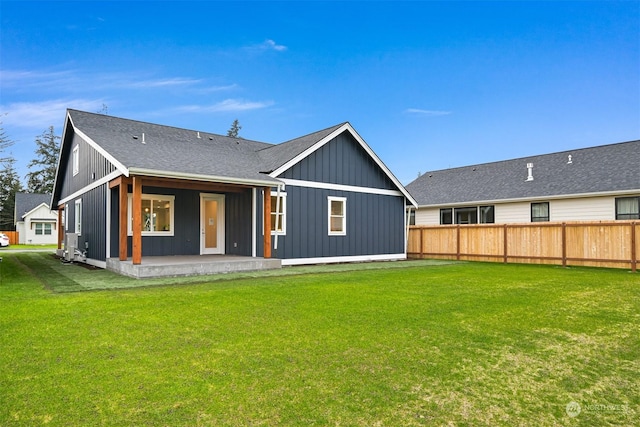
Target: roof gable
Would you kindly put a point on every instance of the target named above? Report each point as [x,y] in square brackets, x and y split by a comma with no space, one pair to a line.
[602,169]
[27,202]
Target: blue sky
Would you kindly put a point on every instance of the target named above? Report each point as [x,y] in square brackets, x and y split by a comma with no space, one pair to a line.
[428,85]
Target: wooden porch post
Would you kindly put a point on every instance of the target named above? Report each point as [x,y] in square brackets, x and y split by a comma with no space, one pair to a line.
[267,222]
[136,211]
[123,221]
[60,229]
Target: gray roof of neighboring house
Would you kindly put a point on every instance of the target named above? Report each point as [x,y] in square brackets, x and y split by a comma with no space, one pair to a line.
[602,169]
[26,202]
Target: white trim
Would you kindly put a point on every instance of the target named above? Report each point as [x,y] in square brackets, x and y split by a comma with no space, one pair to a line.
[96,263]
[77,216]
[337,259]
[254,229]
[363,144]
[149,196]
[342,232]
[37,207]
[199,177]
[75,160]
[220,248]
[119,166]
[283,217]
[108,227]
[340,187]
[92,186]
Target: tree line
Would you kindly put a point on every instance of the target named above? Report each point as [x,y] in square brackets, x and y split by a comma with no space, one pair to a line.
[42,170]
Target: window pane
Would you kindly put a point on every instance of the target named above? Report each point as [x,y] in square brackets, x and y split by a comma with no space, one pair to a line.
[628,208]
[162,215]
[467,216]
[487,215]
[336,223]
[38,229]
[146,215]
[336,207]
[539,212]
[446,216]
[47,229]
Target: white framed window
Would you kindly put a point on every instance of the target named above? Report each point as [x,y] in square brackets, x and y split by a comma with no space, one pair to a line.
[337,215]
[76,160]
[157,215]
[66,217]
[280,216]
[78,217]
[43,228]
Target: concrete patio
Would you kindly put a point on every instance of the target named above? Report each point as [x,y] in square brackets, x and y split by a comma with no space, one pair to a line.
[173,266]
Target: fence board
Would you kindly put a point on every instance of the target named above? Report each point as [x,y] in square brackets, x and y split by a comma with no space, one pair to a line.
[599,244]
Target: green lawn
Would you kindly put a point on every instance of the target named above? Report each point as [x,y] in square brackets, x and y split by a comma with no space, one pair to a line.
[408,344]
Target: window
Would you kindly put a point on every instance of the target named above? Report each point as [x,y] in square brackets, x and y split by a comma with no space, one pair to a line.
[487,214]
[412,217]
[337,216]
[628,208]
[540,212]
[66,217]
[280,216]
[78,217]
[43,228]
[466,215]
[446,216]
[76,160]
[157,215]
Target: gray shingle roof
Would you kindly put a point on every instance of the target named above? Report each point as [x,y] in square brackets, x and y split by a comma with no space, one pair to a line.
[173,150]
[176,150]
[606,168]
[26,202]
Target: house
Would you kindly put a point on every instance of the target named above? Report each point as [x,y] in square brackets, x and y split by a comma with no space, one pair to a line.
[596,183]
[34,220]
[134,193]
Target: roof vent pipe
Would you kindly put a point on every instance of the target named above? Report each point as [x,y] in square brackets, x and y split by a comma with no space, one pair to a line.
[198,135]
[529,171]
[143,141]
[570,160]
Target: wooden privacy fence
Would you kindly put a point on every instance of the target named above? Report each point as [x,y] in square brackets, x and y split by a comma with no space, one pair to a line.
[597,244]
[13,236]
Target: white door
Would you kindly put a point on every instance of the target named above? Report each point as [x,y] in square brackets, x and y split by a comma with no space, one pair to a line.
[211,224]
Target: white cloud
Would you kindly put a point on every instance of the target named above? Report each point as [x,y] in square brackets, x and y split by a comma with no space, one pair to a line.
[175,81]
[267,45]
[226,105]
[431,113]
[44,113]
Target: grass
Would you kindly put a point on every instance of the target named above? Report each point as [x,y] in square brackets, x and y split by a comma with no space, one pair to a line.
[450,344]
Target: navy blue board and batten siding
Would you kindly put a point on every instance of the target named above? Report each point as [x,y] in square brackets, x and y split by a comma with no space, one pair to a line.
[374,222]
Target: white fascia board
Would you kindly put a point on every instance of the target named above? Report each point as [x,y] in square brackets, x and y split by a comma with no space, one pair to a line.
[37,207]
[363,144]
[340,187]
[341,259]
[96,184]
[119,166]
[207,178]
[534,199]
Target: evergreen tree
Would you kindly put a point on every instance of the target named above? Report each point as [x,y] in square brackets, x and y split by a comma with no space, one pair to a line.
[43,167]
[5,143]
[9,185]
[235,129]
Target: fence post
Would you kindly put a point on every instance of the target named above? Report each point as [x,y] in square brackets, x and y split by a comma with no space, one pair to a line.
[505,243]
[634,255]
[421,229]
[458,242]
[564,244]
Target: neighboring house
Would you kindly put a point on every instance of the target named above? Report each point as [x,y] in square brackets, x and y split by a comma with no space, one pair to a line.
[132,189]
[597,183]
[35,222]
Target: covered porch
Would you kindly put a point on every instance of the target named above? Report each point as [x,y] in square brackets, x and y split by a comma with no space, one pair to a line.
[189,265]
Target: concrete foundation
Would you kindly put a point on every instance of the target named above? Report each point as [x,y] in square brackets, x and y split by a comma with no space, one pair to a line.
[174,266]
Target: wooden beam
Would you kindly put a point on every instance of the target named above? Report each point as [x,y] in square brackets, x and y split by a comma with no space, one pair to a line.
[136,212]
[212,187]
[121,180]
[267,222]
[123,220]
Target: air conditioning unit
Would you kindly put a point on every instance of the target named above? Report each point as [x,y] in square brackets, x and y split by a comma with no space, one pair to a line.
[70,246]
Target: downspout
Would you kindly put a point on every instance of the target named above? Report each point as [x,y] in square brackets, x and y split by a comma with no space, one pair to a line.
[406,232]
